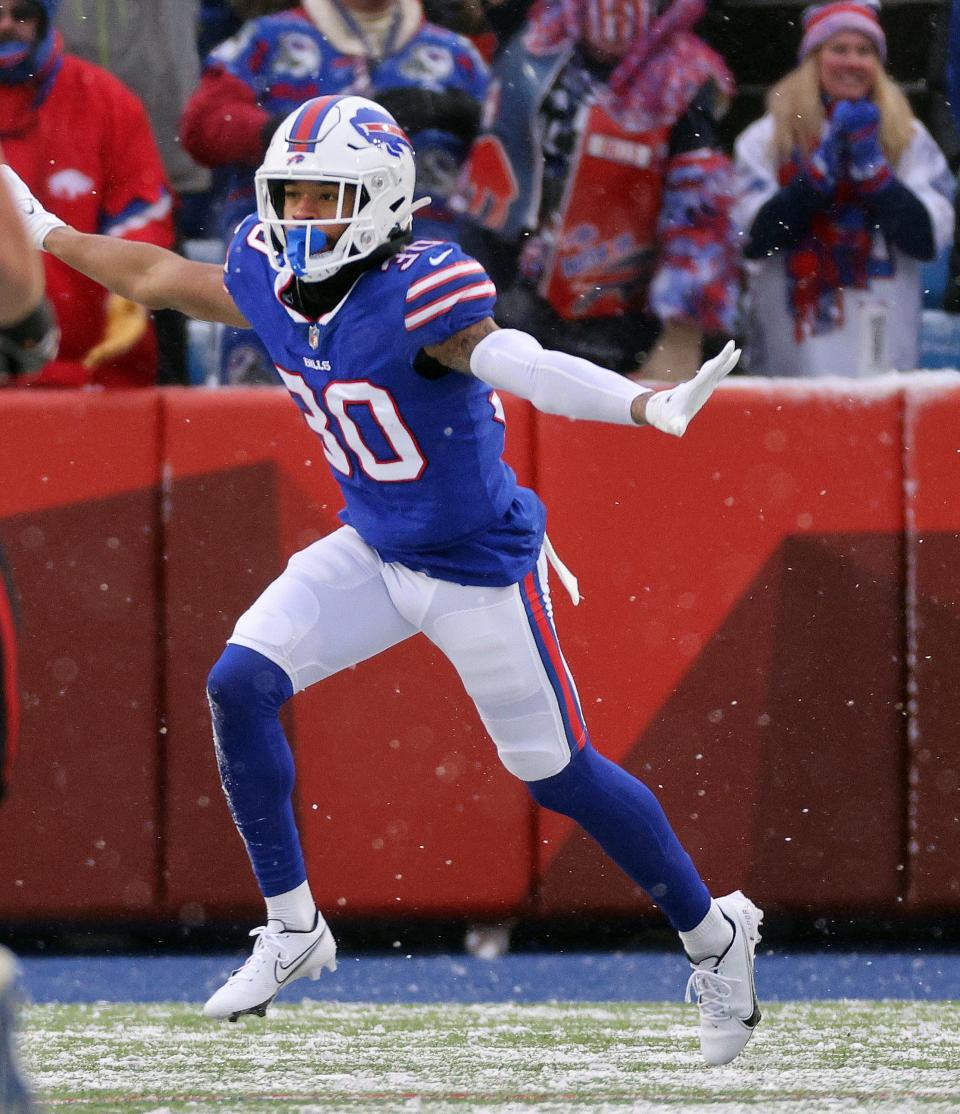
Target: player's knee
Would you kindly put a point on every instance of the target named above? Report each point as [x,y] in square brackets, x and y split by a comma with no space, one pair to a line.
[532,765]
[527,740]
[558,789]
[244,682]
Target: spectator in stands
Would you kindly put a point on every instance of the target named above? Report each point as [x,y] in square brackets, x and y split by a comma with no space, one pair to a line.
[219,19]
[142,43]
[431,79]
[112,182]
[943,119]
[598,197]
[842,193]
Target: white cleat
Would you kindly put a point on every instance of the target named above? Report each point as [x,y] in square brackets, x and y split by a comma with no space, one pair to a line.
[723,986]
[280,957]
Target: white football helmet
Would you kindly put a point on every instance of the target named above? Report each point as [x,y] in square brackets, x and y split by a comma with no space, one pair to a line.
[346,141]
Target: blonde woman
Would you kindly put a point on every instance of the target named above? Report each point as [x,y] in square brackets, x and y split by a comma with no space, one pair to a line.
[841,195]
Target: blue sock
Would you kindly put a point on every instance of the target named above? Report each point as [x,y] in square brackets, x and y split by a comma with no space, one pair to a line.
[626,819]
[246,691]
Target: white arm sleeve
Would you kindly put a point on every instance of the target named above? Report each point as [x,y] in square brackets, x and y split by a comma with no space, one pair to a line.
[554,382]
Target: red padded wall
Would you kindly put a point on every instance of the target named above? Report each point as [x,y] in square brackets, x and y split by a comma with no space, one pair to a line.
[741,646]
[79,526]
[739,643]
[222,508]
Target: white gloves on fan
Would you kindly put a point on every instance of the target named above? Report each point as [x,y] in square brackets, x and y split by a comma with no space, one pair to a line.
[39,223]
[671,411]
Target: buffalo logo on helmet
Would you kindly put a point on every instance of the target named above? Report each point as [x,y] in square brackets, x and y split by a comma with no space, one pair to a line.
[377,127]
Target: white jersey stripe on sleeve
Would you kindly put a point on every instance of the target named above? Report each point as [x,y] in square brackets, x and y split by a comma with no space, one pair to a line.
[441,305]
[445,274]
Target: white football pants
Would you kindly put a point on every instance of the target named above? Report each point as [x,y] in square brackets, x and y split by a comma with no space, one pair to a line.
[337,603]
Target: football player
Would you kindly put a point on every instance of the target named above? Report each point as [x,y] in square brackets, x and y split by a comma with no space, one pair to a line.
[390,351]
[28,339]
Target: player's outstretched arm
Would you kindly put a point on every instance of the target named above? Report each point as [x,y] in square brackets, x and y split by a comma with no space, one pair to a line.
[144,273]
[558,383]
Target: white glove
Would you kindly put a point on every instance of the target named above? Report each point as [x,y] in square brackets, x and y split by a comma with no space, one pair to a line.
[39,223]
[671,411]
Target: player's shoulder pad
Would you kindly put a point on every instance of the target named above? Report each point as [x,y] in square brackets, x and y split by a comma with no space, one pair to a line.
[439,275]
[248,236]
[427,255]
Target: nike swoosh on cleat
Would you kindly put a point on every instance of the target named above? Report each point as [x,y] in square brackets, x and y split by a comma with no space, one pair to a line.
[435,259]
[297,963]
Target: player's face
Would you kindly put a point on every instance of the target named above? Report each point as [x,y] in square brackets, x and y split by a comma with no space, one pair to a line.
[318,201]
[19,22]
[848,66]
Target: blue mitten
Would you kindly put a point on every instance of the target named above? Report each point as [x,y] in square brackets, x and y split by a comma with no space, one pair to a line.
[858,122]
[823,167]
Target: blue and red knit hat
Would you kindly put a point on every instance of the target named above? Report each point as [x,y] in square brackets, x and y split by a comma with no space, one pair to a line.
[823,21]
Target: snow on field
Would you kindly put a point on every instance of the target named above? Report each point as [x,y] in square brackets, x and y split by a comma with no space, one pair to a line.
[806,1056]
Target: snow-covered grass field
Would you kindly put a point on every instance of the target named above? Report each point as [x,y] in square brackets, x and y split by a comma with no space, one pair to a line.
[326,1057]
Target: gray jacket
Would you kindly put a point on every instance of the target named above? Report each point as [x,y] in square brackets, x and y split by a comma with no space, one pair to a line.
[151,45]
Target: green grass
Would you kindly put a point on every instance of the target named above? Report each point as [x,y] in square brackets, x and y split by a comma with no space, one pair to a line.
[329,1057]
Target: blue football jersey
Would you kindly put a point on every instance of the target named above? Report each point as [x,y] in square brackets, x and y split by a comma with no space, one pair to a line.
[419,461]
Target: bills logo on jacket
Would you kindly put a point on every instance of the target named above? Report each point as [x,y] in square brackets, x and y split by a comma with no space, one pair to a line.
[377,127]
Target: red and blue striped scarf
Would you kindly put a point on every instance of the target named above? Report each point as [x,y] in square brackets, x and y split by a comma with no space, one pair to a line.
[833,254]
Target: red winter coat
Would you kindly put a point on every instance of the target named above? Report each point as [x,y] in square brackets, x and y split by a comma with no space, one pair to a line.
[82,142]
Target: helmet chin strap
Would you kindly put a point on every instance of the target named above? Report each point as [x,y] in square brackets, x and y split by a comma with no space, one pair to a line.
[318,296]
[421,204]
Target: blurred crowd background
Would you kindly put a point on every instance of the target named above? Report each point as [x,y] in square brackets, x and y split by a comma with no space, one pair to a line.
[641,179]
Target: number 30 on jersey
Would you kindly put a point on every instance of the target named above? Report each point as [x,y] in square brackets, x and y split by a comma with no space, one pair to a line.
[407,463]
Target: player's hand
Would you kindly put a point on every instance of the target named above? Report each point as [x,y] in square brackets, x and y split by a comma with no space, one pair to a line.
[39,223]
[671,411]
[126,324]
